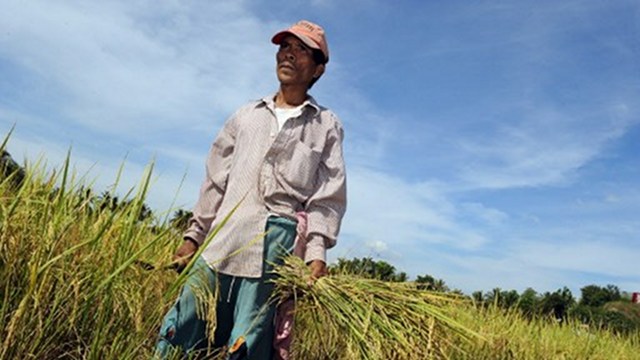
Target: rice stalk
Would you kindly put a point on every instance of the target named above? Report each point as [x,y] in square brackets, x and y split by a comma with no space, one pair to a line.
[369,319]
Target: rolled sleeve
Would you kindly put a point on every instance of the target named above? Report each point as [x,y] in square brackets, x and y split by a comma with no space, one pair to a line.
[213,187]
[327,205]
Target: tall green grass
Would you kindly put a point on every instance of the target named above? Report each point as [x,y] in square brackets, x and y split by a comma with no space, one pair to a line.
[68,284]
[71,288]
[511,335]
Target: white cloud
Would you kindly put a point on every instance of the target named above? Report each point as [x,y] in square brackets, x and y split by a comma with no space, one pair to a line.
[546,147]
[131,78]
[489,216]
[378,246]
[132,71]
[386,209]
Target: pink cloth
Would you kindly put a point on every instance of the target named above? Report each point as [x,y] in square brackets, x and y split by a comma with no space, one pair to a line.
[285,311]
[300,244]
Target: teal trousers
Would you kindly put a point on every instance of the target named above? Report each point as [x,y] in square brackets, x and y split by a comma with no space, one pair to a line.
[244,314]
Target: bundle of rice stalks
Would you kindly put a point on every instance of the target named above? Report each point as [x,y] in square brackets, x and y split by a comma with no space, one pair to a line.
[348,317]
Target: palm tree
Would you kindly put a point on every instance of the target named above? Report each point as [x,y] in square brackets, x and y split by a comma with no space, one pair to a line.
[108,202]
[428,282]
[8,167]
[180,219]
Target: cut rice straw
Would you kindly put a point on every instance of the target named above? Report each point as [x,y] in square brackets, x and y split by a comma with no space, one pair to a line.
[348,317]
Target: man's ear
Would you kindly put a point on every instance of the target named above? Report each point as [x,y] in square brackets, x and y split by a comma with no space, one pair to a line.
[319,71]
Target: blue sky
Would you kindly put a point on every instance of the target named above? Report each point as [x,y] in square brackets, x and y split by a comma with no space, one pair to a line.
[488,143]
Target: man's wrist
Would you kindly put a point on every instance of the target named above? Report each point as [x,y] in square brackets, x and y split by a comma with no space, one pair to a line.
[192,241]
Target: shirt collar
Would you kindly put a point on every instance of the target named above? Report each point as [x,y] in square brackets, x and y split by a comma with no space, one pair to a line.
[269,102]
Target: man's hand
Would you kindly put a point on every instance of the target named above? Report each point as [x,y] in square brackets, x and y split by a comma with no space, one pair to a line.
[318,269]
[184,254]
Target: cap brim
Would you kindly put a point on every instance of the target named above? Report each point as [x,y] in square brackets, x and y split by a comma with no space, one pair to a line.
[277,39]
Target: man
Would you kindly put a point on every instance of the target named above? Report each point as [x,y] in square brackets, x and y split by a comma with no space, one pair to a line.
[276,157]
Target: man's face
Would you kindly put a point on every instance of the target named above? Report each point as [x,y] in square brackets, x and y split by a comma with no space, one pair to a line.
[295,65]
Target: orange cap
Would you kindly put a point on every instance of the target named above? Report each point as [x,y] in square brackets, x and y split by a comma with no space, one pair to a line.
[311,34]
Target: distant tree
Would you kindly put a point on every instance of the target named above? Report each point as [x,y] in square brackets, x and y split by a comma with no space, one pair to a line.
[595,296]
[425,282]
[508,299]
[145,212]
[528,302]
[440,285]
[400,277]
[85,199]
[106,201]
[369,268]
[493,297]
[615,319]
[10,168]
[478,297]
[619,323]
[383,270]
[557,303]
[502,298]
[355,266]
[180,219]
[428,282]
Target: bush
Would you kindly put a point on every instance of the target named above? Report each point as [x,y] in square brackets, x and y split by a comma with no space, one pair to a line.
[601,318]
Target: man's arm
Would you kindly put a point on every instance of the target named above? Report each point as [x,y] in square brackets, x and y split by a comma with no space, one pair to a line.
[212,192]
[327,205]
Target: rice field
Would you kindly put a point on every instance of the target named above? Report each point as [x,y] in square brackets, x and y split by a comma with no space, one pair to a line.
[74,284]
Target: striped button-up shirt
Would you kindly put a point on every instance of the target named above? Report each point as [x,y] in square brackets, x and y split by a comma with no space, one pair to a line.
[270,172]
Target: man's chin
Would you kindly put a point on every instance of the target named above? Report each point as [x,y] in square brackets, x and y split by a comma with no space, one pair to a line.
[286,80]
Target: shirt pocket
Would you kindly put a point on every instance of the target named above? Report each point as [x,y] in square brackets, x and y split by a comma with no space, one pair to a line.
[298,167]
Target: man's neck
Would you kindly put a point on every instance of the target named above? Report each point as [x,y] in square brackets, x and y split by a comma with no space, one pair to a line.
[290,96]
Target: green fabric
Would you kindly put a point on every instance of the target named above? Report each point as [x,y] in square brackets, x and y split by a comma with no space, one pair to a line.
[242,306]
